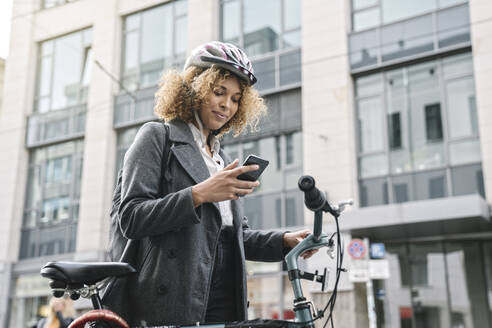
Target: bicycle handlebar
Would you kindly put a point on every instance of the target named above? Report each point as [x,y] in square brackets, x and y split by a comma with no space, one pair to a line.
[314,199]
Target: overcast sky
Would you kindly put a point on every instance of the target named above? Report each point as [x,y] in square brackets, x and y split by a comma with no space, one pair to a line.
[5,14]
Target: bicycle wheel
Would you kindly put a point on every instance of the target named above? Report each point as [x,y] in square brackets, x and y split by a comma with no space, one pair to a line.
[99,319]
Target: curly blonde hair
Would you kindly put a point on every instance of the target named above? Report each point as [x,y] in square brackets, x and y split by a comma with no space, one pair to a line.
[180,94]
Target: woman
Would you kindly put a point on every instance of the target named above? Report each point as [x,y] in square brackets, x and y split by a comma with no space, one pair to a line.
[60,314]
[194,237]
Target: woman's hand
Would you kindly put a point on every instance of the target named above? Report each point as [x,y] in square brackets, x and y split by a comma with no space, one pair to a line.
[224,185]
[291,239]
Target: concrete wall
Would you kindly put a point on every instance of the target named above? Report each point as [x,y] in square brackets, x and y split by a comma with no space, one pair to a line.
[16,105]
[327,111]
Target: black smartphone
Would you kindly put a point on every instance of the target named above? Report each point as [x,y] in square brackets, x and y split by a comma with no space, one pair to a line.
[253,175]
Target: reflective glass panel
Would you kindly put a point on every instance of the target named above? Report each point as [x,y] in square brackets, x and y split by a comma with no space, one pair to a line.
[68,60]
[180,32]
[292,14]
[373,165]
[370,124]
[457,65]
[231,21]
[425,116]
[265,73]
[394,10]
[290,68]
[464,152]
[261,26]
[453,26]
[467,290]
[364,49]
[369,85]
[358,4]
[462,111]
[366,19]
[428,281]
[468,180]
[45,76]
[131,53]
[373,192]
[431,184]
[397,118]
[292,39]
[407,38]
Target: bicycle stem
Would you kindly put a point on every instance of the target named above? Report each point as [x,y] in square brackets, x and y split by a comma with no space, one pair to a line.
[313,241]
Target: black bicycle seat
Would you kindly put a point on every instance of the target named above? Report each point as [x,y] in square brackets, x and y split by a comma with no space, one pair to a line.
[76,273]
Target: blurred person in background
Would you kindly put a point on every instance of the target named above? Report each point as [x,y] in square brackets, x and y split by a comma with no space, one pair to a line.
[61,314]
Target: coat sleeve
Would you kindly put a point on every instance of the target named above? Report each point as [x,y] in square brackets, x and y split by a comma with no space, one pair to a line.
[263,245]
[142,211]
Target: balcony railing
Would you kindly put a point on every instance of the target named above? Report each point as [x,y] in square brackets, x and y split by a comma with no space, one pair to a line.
[419,36]
[55,126]
[49,240]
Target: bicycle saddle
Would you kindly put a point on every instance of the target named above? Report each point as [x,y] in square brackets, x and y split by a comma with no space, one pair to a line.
[75,273]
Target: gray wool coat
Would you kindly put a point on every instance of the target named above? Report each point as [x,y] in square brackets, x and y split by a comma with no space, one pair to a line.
[176,255]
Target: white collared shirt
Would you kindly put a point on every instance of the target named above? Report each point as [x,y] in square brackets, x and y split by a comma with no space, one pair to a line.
[214,163]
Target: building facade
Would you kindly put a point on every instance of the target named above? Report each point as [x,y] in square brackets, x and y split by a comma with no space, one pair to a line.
[381,101]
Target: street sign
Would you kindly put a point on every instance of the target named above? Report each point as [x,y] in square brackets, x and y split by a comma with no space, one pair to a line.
[377,251]
[357,249]
[379,269]
[358,275]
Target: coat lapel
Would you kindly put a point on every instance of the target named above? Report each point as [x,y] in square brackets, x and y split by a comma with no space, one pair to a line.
[187,153]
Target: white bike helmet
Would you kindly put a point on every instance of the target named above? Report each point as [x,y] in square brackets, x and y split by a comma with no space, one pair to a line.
[225,55]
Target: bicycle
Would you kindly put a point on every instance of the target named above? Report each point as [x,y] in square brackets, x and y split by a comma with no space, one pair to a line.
[84,279]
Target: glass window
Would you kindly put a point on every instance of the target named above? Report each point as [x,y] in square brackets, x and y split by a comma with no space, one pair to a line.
[373,165]
[292,14]
[394,10]
[364,49]
[52,183]
[402,188]
[417,139]
[468,180]
[359,4]
[366,19]
[464,152]
[265,73]
[369,85]
[231,21]
[373,192]
[462,112]
[431,184]
[290,68]
[261,28]
[407,38]
[371,123]
[425,122]
[64,71]
[453,26]
[467,296]
[457,65]
[154,40]
[433,123]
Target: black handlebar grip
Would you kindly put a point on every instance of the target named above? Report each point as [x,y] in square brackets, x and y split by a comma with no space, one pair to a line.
[313,198]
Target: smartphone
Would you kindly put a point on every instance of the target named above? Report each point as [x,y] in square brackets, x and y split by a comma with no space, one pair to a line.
[253,175]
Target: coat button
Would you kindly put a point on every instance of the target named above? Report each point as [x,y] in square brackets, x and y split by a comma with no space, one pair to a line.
[162,289]
[171,253]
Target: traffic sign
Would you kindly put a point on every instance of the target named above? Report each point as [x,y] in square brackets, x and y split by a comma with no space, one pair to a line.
[357,249]
[377,250]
